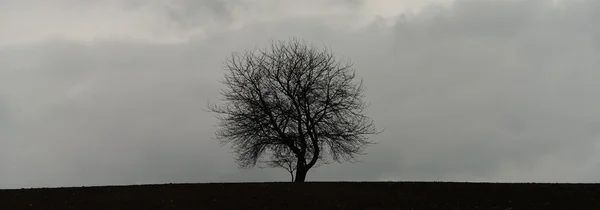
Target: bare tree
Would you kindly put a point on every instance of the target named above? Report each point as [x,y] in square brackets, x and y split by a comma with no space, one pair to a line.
[292,104]
[286,160]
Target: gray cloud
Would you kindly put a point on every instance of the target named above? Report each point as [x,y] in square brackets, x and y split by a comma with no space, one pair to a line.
[189,13]
[479,91]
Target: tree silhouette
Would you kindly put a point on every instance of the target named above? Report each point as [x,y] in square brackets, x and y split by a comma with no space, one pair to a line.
[294,105]
[285,160]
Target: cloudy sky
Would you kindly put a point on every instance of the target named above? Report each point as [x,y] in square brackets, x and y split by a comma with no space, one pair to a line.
[114,92]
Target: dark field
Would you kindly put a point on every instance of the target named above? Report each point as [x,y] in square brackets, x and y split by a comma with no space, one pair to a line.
[312,195]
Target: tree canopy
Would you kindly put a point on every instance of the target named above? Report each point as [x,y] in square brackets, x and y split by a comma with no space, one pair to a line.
[292,106]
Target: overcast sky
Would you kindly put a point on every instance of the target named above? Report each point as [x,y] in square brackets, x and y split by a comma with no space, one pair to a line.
[113,92]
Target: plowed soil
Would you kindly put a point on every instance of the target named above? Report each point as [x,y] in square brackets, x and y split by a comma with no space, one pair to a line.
[311,195]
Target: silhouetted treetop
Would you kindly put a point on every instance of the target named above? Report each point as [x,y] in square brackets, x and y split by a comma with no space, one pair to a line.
[292,100]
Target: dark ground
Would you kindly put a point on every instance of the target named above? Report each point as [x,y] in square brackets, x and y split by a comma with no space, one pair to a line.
[315,195]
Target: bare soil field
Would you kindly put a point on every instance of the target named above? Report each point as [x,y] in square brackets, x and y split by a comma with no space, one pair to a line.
[310,195]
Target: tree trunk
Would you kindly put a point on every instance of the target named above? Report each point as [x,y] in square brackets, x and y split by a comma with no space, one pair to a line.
[301,170]
[292,174]
[300,175]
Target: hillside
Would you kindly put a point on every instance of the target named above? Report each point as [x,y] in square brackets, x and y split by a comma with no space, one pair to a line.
[313,195]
